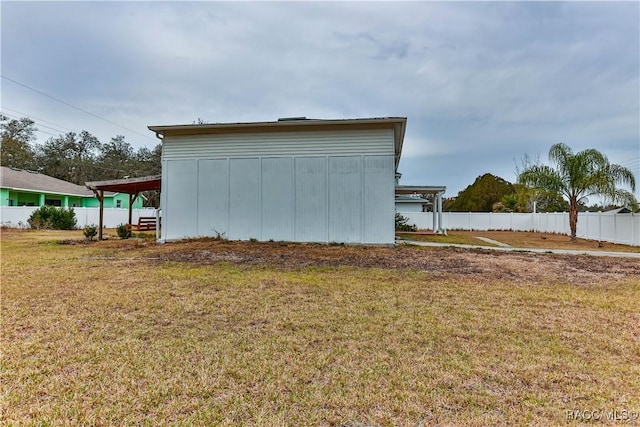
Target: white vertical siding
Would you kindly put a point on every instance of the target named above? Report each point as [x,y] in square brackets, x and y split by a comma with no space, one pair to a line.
[181,190]
[345,199]
[379,213]
[311,199]
[213,197]
[277,199]
[301,186]
[244,199]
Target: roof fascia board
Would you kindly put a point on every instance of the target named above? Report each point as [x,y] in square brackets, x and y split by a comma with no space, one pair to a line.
[289,125]
[410,189]
[57,193]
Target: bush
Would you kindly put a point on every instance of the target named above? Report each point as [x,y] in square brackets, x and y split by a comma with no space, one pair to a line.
[401,223]
[90,231]
[123,231]
[50,217]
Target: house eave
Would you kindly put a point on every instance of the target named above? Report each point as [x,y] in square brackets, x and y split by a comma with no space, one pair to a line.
[398,124]
[31,190]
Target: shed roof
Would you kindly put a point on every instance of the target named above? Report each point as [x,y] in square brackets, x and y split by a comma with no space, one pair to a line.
[129,185]
[25,180]
[420,189]
[398,124]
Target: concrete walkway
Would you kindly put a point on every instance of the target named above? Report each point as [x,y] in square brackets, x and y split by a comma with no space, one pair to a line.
[493,242]
[533,250]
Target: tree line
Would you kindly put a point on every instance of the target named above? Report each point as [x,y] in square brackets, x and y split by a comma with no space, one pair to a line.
[76,157]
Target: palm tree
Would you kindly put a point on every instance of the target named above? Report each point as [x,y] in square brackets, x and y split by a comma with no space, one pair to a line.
[577,176]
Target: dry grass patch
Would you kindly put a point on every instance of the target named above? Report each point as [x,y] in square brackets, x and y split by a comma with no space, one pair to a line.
[137,333]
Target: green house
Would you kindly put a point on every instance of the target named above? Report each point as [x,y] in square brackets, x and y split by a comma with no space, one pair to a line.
[28,188]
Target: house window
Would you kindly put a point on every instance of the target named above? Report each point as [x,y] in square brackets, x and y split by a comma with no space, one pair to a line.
[53,202]
[118,203]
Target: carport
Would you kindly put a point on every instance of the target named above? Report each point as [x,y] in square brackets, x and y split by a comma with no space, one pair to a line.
[131,186]
[436,192]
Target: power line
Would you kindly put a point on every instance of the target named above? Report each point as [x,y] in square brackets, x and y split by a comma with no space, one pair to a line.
[37,130]
[37,118]
[74,107]
[36,122]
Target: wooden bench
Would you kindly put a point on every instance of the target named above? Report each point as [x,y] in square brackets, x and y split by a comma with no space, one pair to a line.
[145,223]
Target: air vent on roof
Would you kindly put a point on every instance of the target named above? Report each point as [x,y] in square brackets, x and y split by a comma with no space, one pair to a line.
[291,119]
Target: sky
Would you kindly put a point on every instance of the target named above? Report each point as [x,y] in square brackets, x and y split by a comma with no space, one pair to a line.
[482,84]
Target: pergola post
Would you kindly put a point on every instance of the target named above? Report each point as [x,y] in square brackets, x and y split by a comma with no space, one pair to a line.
[434,212]
[440,228]
[100,196]
[132,199]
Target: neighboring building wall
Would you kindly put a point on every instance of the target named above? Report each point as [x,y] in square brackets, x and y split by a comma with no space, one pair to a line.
[5,197]
[112,202]
[409,206]
[25,198]
[320,186]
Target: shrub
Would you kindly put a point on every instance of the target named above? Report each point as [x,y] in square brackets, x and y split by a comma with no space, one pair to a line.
[123,231]
[50,217]
[401,223]
[90,231]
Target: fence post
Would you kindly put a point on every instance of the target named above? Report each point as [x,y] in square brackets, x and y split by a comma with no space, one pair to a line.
[587,219]
[599,228]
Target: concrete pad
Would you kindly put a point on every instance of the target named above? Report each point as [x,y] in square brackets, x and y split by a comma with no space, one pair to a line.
[493,242]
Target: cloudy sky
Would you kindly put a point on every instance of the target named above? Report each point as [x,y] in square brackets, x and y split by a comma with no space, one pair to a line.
[481,83]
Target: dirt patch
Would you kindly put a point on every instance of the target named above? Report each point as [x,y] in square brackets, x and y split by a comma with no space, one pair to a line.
[514,266]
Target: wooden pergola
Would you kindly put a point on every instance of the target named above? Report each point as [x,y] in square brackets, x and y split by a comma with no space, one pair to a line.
[131,186]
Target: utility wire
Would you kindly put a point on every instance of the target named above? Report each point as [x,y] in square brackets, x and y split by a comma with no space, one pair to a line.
[34,121]
[37,118]
[74,107]
[38,129]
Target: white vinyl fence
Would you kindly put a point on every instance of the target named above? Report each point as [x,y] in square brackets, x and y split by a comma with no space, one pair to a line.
[17,216]
[601,226]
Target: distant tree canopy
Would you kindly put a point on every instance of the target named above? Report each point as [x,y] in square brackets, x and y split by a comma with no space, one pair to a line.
[17,137]
[76,158]
[480,196]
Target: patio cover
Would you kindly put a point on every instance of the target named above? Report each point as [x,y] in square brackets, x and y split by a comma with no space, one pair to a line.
[130,186]
[437,191]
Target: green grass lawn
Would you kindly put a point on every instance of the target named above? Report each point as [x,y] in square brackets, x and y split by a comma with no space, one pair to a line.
[108,334]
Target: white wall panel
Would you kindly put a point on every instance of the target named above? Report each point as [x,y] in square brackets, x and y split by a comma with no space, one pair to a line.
[311,197]
[179,213]
[277,199]
[213,197]
[317,186]
[379,199]
[244,199]
[345,199]
[279,144]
